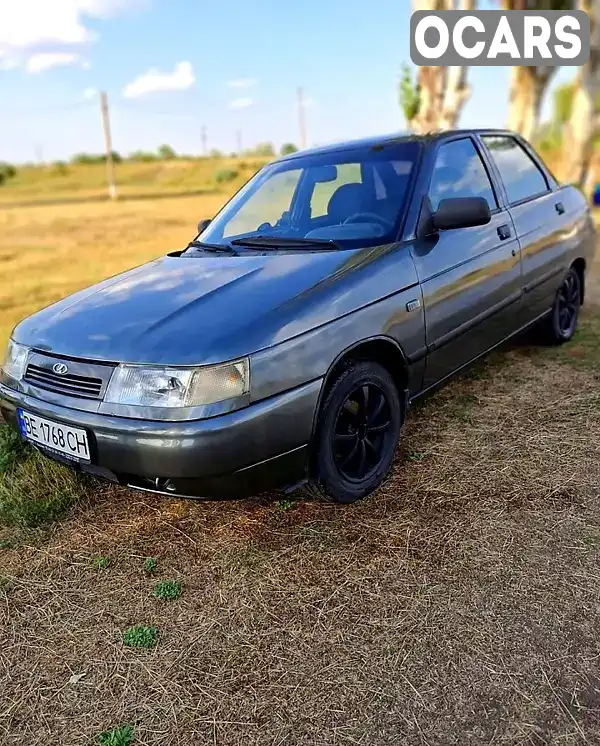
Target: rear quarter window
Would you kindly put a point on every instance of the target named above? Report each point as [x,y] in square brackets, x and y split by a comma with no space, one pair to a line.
[522,177]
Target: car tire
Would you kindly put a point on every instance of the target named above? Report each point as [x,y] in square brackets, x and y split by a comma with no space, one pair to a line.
[559,327]
[356,435]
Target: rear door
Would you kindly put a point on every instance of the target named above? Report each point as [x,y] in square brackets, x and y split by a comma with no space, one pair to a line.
[470,277]
[540,214]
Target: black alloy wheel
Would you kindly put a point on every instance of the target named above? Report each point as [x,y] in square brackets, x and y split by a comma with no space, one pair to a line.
[560,326]
[357,433]
[362,431]
[568,302]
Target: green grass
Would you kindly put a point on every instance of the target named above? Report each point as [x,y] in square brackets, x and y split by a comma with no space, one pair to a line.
[121,736]
[33,489]
[12,449]
[140,636]
[150,565]
[285,505]
[100,562]
[417,456]
[168,590]
[583,351]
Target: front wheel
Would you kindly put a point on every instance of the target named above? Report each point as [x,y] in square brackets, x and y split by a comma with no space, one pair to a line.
[562,322]
[357,433]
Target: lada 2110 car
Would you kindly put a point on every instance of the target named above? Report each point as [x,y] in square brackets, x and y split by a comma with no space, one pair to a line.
[284,345]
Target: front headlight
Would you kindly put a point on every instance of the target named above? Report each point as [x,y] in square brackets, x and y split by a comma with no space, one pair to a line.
[143,386]
[15,361]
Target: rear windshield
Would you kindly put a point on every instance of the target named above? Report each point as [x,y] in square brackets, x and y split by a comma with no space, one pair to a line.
[352,197]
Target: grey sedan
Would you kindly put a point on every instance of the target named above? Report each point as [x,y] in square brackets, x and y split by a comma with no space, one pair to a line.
[285,344]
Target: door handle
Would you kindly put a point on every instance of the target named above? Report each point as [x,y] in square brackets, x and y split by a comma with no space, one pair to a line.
[560,208]
[503,232]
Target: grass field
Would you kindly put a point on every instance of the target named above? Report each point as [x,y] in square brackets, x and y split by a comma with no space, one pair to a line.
[459,605]
[66,182]
[47,252]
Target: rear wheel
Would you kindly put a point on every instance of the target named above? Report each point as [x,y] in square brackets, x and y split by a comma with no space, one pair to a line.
[357,433]
[562,322]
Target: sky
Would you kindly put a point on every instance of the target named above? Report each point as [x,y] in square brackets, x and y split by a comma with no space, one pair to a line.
[172,67]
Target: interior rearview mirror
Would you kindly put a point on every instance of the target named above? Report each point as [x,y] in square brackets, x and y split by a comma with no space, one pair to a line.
[461,212]
[203,225]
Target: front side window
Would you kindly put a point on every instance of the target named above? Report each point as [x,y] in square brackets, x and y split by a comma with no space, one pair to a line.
[459,172]
[350,197]
[521,176]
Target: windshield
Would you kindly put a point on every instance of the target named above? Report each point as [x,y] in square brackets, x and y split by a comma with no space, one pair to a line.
[351,197]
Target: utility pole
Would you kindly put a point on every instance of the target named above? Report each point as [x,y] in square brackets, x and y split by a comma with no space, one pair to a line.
[203,139]
[238,135]
[38,155]
[301,118]
[110,166]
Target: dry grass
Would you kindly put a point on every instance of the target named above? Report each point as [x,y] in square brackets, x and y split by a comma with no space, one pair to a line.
[459,605]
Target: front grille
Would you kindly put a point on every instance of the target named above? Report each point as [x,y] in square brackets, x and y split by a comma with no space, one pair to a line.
[69,384]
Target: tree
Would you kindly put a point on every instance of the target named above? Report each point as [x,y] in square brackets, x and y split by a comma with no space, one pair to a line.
[166,153]
[563,103]
[288,148]
[583,123]
[409,96]
[442,91]
[7,171]
[264,148]
[528,85]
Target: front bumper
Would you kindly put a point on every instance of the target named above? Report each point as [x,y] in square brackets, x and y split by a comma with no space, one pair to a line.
[244,452]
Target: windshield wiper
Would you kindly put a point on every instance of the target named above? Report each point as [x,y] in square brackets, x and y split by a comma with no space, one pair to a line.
[282,242]
[214,247]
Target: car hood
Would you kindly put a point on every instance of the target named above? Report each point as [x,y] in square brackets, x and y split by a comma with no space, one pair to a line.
[179,310]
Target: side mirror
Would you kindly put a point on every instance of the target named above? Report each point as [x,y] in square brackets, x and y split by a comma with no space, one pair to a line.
[461,212]
[203,225]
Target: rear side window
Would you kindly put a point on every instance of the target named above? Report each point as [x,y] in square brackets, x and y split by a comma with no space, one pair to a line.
[520,174]
[459,172]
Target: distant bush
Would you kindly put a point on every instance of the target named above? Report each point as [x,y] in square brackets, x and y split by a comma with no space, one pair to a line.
[59,168]
[288,148]
[7,171]
[166,153]
[89,158]
[142,156]
[225,175]
[263,148]
[215,153]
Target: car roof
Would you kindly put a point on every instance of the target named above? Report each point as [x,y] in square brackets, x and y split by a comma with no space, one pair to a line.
[390,139]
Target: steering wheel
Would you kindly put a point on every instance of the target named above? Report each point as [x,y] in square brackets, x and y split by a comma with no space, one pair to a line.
[368,217]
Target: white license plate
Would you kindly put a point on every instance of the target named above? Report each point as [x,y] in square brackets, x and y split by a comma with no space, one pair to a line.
[71,442]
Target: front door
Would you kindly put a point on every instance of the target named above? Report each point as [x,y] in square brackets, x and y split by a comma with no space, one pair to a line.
[471,277]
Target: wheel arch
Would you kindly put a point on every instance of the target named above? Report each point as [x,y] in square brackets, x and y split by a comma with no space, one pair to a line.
[380,349]
[579,265]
